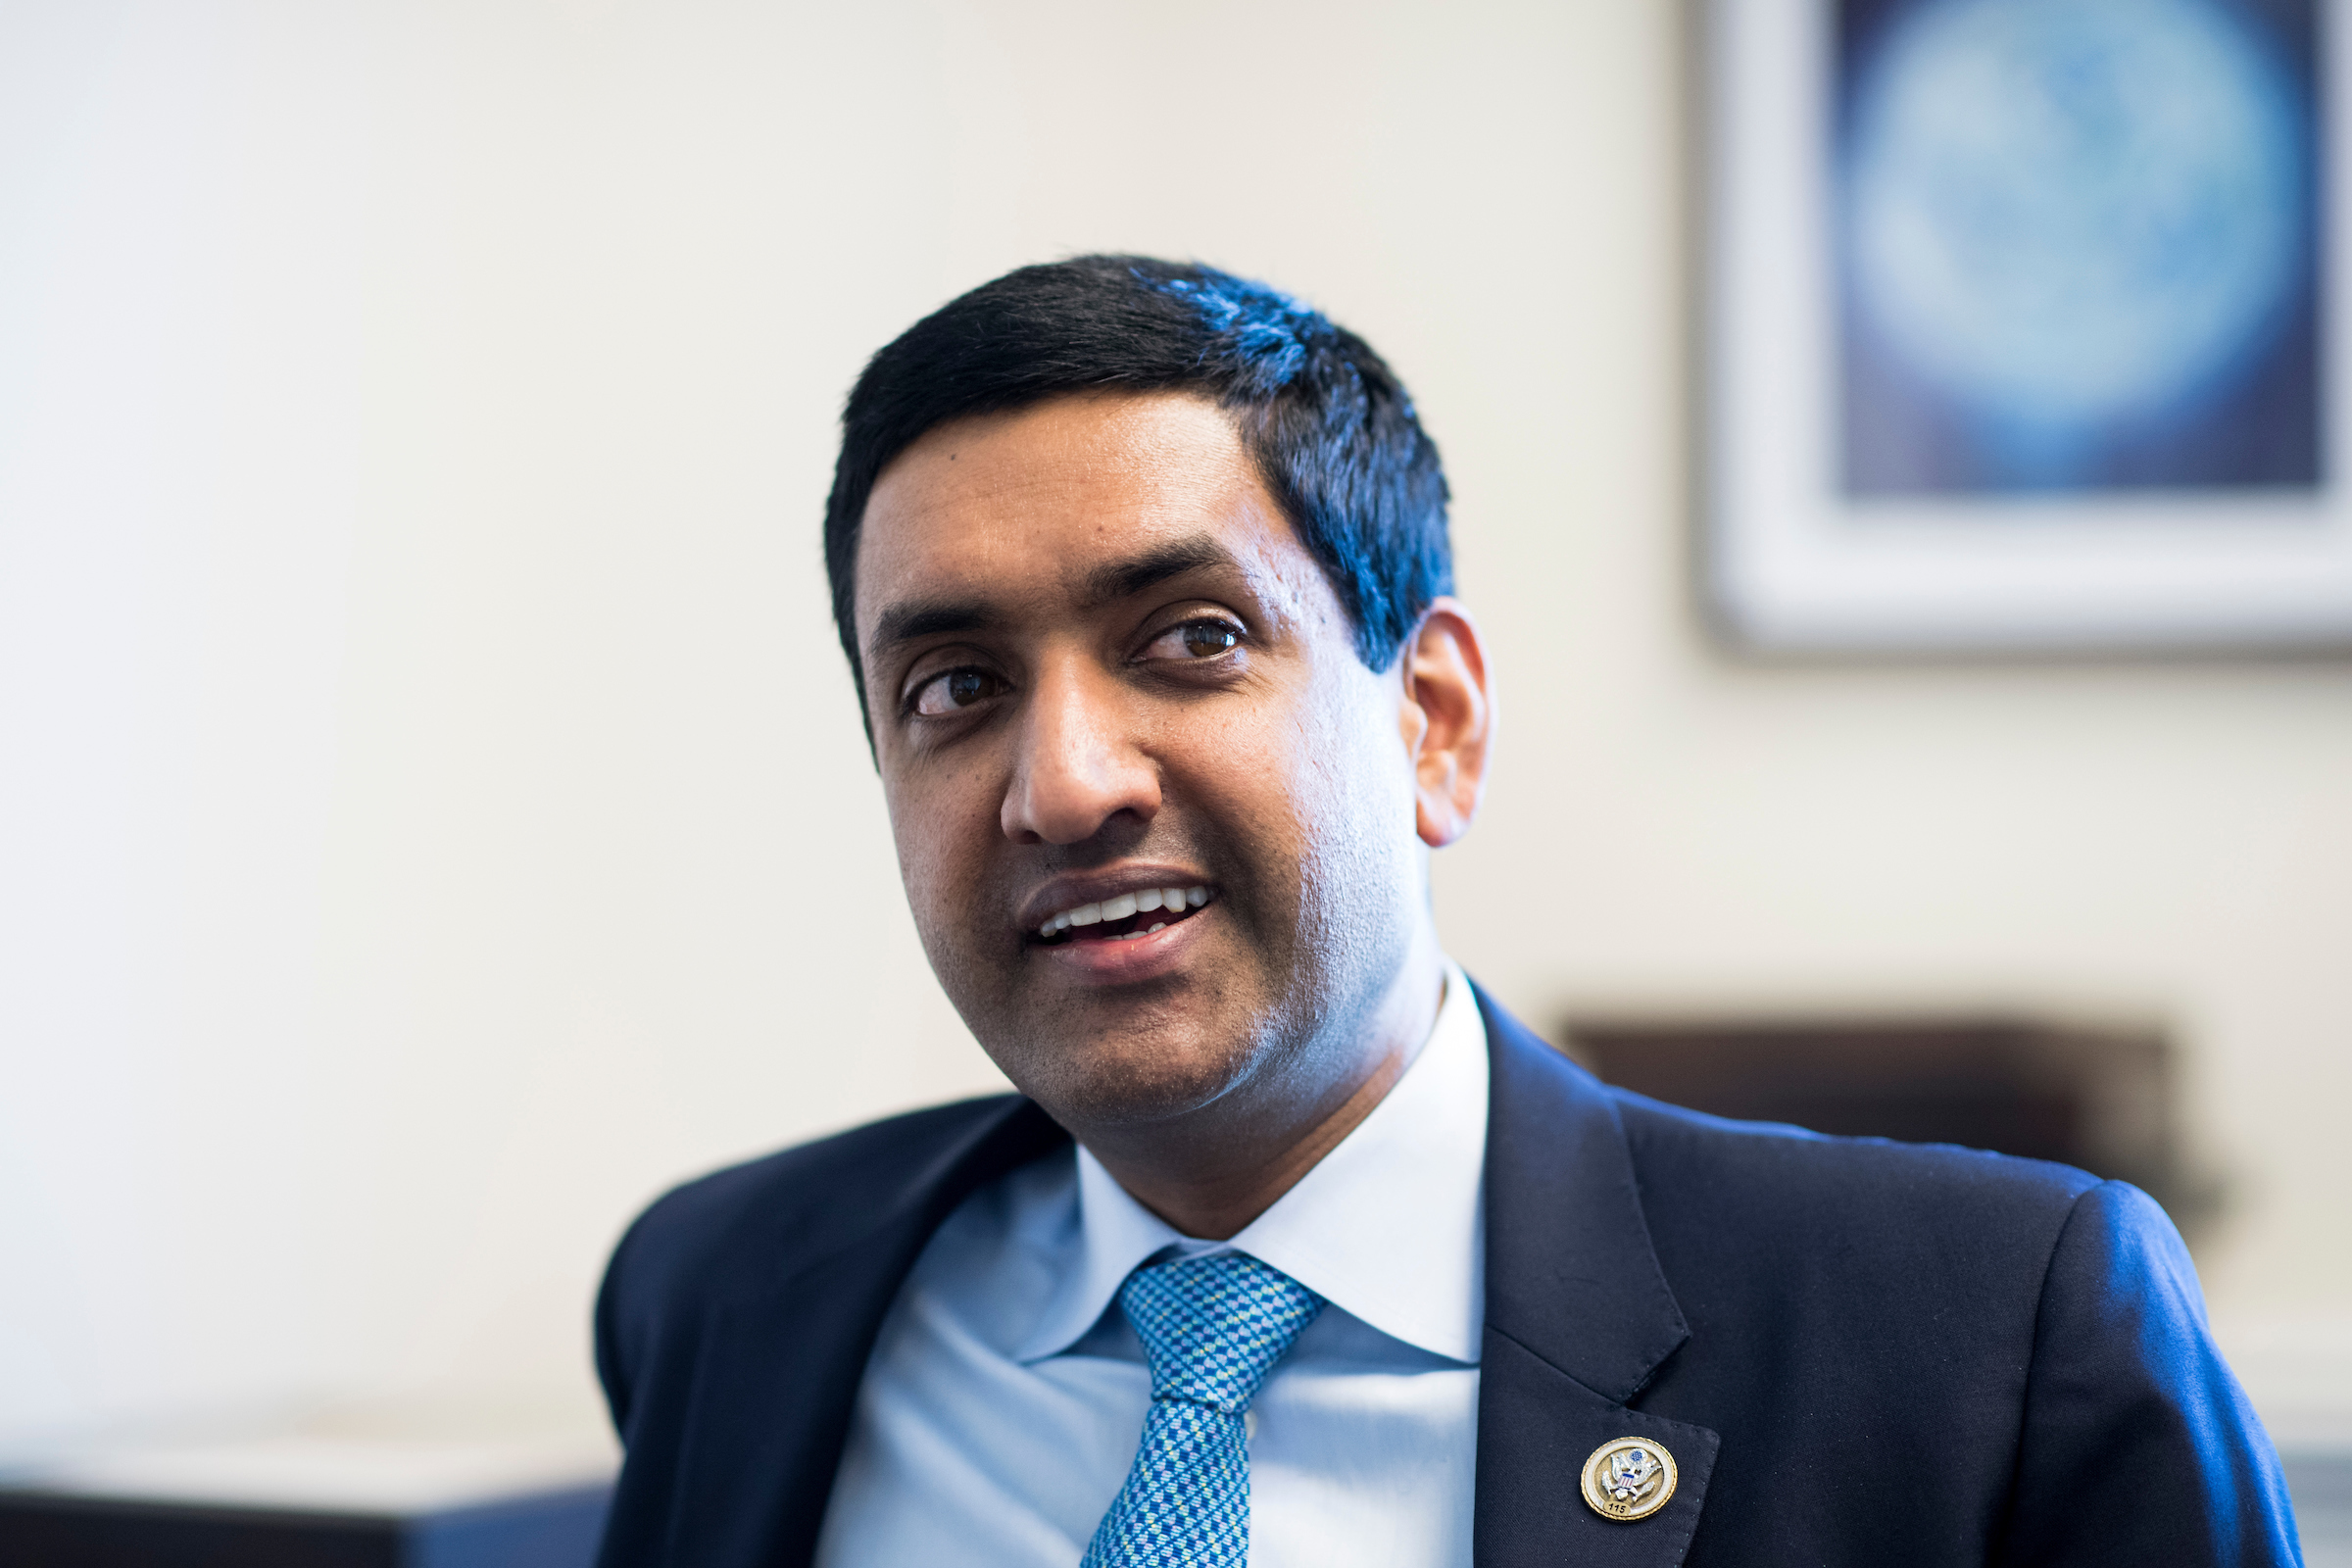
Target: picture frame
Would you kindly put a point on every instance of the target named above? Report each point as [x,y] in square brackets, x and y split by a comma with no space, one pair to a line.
[2082,459]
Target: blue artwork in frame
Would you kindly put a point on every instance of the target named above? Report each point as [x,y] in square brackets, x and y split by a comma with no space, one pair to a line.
[2078,246]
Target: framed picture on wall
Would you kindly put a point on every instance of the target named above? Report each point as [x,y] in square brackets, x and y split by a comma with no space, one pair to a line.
[2022,334]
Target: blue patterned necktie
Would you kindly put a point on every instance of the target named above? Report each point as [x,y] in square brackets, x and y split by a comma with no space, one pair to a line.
[1212,1328]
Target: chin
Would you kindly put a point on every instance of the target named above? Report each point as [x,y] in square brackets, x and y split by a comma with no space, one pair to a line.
[1123,1080]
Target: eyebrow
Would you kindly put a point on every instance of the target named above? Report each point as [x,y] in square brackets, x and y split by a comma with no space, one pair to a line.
[1123,578]
[913,619]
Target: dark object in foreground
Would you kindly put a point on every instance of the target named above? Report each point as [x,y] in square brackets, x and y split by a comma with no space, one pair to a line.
[70,1530]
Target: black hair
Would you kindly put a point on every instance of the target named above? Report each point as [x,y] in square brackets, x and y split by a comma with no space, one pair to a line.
[1330,427]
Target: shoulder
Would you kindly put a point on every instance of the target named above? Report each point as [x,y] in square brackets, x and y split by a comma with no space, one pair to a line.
[1948,1263]
[1848,1230]
[1716,1191]
[1754,1222]
[1803,1181]
[2031,1337]
[747,1225]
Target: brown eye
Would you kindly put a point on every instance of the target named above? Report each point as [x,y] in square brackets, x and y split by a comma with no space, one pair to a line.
[1206,639]
[1194,642]
[957,688]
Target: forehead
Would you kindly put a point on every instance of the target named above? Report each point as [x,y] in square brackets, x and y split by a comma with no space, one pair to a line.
[1033,503]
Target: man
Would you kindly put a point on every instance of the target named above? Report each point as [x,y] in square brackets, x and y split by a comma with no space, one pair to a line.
[1295,1248]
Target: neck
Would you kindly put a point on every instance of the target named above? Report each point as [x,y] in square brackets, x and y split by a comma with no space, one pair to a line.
[1214,1172]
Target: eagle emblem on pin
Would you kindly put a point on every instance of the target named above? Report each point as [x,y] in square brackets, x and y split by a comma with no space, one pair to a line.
[1629,1479]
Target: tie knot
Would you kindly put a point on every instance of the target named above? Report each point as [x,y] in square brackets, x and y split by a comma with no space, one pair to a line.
[1213,1327]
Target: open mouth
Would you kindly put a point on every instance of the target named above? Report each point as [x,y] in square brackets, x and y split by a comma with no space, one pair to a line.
[1124,917]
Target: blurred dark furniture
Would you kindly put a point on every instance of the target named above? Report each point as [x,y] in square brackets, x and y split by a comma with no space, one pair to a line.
[69,1530]
[2099,1099]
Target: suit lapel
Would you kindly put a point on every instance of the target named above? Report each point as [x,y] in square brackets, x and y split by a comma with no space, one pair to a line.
[777,1375]
[1579,1316]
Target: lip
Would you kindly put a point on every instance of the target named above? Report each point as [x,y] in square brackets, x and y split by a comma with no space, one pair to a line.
[1074,888]
[1150,956]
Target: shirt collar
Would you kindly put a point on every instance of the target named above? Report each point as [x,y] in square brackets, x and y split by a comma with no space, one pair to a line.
[1390,1226]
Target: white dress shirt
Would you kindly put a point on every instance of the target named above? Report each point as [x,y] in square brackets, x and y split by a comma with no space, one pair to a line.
[1007,1392]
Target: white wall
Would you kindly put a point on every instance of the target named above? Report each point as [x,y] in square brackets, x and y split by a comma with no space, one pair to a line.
[432,814]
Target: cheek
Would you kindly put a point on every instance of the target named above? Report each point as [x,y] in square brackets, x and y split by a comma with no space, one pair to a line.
[1357,800]
[1321,793]
[1253,776]
[944,827]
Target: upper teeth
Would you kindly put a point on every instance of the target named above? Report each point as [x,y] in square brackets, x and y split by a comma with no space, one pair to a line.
[1123,906]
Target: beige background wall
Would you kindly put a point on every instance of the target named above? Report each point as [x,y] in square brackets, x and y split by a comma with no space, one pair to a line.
[432,814]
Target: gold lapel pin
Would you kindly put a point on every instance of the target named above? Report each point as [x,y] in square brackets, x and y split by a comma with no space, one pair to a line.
[1629,1479]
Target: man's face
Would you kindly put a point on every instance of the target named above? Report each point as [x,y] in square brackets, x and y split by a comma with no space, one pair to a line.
[1103,669]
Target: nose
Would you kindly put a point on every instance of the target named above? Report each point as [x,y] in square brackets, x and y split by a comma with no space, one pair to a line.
[1079,766]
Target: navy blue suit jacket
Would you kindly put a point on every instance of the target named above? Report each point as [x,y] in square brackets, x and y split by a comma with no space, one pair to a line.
[1857,1351]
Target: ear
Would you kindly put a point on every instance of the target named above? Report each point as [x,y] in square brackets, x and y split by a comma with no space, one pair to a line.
[1447,721]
